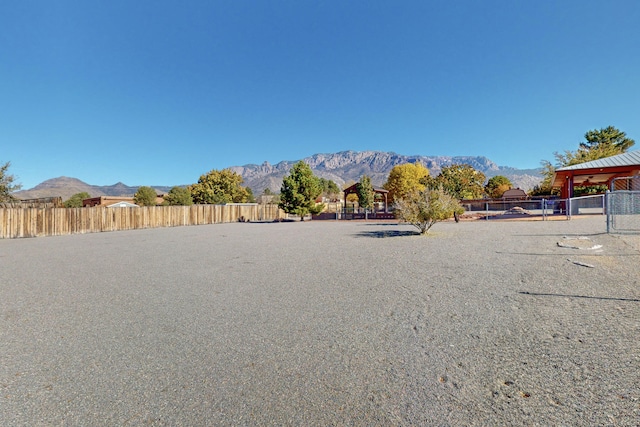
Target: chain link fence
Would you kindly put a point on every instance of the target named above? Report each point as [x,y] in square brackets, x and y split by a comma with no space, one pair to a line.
[510,209]
[623,205]
[542,208]
[587,205]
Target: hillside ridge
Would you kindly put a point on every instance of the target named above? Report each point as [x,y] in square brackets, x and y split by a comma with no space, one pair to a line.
[66,187]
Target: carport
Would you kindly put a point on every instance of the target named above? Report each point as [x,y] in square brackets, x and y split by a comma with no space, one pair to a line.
[596,172]
[380,191]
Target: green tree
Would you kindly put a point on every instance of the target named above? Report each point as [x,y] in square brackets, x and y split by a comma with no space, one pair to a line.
[268,197]
[424,208]
[250,197]
[365,193]
[7,185]
[460,181]
[178,196]
[299,191]
[75,201]
[145,196]
[219,187]
[405,178]
[605,139]
[329,188]
[497,185]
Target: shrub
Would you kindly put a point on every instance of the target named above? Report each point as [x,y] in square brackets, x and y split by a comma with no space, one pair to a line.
[423,209]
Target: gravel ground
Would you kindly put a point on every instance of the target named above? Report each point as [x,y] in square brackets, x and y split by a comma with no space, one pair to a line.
[323,323]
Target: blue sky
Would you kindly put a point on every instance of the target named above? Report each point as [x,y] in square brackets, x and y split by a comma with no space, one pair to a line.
[160,92]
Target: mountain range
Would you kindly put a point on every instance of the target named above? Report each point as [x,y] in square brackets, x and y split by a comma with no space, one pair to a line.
[349,166]
[343,167]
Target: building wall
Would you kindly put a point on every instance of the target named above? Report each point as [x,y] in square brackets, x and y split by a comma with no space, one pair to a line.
[110,200]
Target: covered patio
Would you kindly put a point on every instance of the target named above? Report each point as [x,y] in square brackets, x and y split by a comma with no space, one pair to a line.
[596,172]
[379,192]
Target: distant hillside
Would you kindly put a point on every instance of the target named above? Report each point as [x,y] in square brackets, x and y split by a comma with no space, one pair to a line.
[66,187]
[351,165]
[340,167]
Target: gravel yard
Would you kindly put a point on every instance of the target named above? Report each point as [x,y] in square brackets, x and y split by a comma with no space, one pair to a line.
[323,323]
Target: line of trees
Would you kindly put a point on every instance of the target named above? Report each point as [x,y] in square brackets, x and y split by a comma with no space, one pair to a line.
[300,190]
[417,197]
[214,187]
[459,180]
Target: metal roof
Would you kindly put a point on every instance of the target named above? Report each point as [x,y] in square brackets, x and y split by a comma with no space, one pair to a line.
[631,158]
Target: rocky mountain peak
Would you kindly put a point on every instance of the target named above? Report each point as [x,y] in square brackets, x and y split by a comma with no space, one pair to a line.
[346,166]
[341,167]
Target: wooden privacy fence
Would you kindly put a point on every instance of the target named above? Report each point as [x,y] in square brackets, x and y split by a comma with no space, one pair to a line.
[35,222]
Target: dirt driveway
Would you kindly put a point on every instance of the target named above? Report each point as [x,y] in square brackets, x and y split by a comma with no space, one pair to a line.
[323,323]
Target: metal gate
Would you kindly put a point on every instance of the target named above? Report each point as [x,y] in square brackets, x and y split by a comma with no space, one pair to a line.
[623,205]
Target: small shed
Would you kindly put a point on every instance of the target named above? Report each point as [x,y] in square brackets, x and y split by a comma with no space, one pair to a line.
[514,194]
[123,205]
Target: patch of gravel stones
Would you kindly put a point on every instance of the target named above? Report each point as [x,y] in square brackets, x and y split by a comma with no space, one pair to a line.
[322,323]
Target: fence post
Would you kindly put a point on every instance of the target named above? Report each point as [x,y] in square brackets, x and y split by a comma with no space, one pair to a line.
[607,201]
[544,209]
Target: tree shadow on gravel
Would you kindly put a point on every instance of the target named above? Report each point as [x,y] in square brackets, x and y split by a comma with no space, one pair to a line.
[381,234]
[537,294]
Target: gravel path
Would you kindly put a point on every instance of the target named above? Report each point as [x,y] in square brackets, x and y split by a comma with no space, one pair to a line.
[323,323]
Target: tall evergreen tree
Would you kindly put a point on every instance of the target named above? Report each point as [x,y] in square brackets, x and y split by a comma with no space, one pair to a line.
[299,191]
[608,137]
[365,193]
[329,188]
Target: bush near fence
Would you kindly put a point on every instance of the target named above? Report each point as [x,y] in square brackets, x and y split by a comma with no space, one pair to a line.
[36,222]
